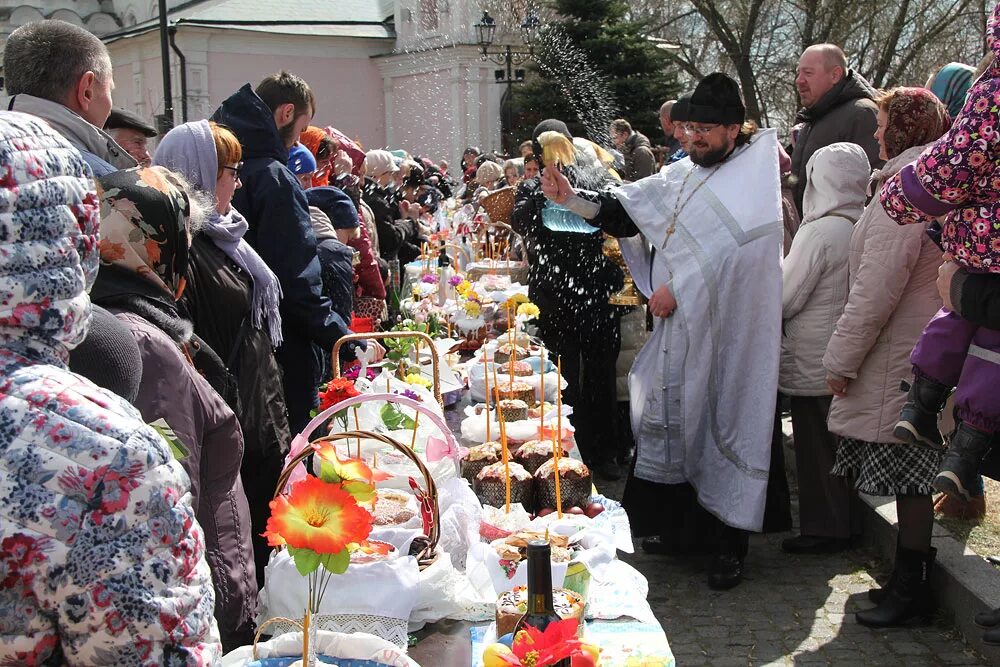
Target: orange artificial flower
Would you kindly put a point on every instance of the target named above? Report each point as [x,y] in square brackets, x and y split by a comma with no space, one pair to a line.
[317,516]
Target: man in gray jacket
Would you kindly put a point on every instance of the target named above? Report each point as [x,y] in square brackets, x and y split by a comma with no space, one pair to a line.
[62,74]
[837,105]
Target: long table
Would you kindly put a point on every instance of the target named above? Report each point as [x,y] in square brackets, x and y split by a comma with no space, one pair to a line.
[449,643]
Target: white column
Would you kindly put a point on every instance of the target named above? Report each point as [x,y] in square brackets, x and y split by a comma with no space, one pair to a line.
[390,132]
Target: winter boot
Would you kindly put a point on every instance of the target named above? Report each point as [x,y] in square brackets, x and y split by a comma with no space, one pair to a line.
[988,619]
[876,595]
[918,419]
[960,465]
[909,600]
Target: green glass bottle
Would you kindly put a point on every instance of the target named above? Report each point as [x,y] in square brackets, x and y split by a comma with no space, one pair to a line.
[541,610]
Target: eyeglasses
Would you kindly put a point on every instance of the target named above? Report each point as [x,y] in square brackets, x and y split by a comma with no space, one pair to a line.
[699,130]
[235,170]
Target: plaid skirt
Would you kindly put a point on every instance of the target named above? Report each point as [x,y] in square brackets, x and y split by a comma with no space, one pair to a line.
[887,469]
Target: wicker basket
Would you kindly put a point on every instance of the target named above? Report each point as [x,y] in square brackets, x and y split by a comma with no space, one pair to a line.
[426,556]
[381,335]
[499,204]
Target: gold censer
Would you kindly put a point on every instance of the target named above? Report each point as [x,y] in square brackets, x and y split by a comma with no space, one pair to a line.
[627,295]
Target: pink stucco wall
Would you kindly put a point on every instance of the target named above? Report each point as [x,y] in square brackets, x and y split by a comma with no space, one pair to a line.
[348,90]
[422,117]
[347,84]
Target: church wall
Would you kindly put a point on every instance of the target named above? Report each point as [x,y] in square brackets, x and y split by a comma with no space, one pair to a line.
[347,84]
[422,117]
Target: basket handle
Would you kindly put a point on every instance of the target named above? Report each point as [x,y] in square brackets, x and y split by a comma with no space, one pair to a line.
[301,442]
[429,485]
[381,335]
[459,249]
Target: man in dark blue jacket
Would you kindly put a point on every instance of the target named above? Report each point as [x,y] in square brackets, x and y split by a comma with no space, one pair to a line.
[268,123]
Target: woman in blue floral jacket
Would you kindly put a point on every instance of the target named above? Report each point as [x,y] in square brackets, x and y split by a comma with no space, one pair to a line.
[101,560]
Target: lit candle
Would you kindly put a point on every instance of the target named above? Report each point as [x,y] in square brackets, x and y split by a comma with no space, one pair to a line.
[503,445]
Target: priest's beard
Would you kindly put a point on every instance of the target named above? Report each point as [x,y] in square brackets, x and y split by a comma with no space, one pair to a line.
[711,156]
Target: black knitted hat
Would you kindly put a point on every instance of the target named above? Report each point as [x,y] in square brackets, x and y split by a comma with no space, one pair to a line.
[717,99]
[109,356]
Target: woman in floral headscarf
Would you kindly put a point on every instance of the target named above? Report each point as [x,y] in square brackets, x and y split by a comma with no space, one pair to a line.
[147,221]
[892,295]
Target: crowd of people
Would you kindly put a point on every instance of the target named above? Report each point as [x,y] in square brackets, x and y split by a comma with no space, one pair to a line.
[167,314]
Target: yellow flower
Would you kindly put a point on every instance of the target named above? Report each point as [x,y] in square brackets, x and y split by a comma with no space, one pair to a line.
[463,287]
[528,310]
[472,309]
[516,300]
[417,379]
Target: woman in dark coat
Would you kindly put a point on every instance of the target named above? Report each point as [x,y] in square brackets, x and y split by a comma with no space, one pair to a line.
[232,299]
[570,280]
[147,216]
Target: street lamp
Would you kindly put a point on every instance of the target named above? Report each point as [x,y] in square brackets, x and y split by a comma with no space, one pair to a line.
[508,57]
[486,29]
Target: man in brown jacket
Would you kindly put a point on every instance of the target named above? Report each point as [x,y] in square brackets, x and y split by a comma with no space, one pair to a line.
[837,105]
[636,151]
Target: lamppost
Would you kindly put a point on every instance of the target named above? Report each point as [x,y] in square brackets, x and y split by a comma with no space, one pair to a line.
[509,57]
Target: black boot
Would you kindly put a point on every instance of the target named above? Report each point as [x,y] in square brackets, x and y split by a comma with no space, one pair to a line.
[988,619]
[918,419]
[960,465]
[992,636]
[909,599]
[876,595]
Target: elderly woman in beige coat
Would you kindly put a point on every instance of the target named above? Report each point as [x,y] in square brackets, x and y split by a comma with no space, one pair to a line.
[893,270]
[814,290]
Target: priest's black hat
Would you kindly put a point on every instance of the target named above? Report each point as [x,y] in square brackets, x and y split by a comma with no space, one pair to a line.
[717,99]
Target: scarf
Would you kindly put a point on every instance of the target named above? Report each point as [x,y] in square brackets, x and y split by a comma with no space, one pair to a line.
[915,117]
[190,150]
[951,84]
[144,227]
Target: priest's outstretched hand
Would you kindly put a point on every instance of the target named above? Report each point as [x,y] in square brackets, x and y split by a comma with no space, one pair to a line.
[555,185]
[662,303]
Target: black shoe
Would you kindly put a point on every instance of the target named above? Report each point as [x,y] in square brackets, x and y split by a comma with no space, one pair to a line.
[992,636]
[909,599]
[811,544]
[725,572]
[987,619]
[918,419]
[608,470]
[960,465]
[656,546]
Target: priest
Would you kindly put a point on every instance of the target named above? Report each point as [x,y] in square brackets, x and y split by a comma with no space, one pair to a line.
[703,241]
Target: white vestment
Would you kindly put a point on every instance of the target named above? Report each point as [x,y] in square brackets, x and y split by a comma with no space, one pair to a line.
[703,388]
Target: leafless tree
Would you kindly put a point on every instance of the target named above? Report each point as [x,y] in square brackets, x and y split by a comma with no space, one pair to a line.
[759,41]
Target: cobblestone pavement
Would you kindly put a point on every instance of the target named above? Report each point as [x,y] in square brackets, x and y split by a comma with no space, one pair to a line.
[790,610]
